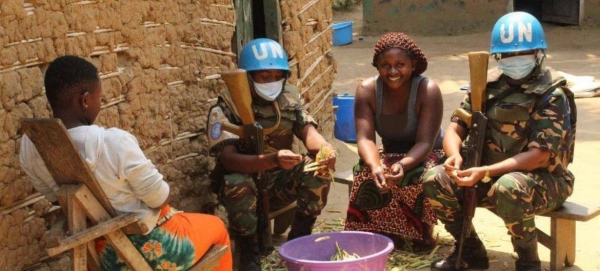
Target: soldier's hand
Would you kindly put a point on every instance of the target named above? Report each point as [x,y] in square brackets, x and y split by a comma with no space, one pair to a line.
[469,177]
[327,156]
[453,162]
[287,159]
[452,166]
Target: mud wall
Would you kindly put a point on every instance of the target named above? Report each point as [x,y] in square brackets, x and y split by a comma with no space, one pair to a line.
[307,33]
[159,62]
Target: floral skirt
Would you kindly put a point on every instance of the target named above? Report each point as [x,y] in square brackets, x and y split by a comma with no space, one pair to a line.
[179,241]
[402,211]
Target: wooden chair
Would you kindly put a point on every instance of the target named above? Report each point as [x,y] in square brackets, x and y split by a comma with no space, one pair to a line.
[82,200]
[561,238]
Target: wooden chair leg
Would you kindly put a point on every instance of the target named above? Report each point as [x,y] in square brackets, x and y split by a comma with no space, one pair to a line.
[77,223]
[562,249]
[93,258]
[83,204]
[118,240]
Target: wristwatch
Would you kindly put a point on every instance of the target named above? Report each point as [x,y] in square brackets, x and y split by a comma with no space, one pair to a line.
[486,178]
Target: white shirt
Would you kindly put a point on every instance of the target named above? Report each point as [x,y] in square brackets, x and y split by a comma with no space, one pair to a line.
[129,179]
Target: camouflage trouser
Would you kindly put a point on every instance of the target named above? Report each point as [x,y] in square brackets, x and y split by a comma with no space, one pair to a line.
[285,186]
[515,197]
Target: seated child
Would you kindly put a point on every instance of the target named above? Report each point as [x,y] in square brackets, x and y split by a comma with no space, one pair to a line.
[129,179]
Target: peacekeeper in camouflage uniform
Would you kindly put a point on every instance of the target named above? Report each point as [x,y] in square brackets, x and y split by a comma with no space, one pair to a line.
[529,142]
[279,108]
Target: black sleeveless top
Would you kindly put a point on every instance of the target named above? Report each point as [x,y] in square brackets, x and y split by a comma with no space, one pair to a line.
[398,132]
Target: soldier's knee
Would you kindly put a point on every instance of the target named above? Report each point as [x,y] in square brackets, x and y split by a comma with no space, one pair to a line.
[505,189]
[507,183]
[243,225]
[432,175]
[430,180]
[239,183]
[239,196]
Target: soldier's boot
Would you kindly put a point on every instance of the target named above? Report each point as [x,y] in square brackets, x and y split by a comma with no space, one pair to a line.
[302,226]
[526,248]
[474,255]
[249,252]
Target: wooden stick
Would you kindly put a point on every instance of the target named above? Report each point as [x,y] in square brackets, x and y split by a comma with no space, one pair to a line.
[321,102]
[210,50]
[308,5]
[315,37]
[33,198]
[316,79]
[89,234]
[213,21]
[311,68]
[120,99]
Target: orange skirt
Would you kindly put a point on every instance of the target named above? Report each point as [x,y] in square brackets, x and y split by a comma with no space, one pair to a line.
[179,241]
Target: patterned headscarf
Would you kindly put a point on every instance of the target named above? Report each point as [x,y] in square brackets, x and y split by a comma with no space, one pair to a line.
[401,41]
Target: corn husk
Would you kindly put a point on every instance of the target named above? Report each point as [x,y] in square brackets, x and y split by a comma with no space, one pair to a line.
[342,255]
[315,166]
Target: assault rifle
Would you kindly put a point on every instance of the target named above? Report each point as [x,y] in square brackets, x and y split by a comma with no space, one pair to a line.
[473,145]
[253,134]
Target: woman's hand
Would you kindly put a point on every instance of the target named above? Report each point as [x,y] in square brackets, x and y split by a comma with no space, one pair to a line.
[379,178]
[396,175]
[287,159]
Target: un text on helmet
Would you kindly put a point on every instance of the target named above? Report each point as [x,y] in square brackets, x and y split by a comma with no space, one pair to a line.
[276,51]
[524,32]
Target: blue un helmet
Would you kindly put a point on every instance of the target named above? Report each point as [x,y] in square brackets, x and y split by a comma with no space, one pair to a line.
[517,31]
[264,54]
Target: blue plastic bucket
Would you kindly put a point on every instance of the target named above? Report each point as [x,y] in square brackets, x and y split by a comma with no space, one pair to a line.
[342,33]
[344,128]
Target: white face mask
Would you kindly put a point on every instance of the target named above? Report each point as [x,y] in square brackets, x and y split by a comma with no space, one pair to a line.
[269,91]
[517,67]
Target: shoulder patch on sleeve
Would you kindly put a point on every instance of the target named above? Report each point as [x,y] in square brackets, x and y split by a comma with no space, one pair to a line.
[215,133]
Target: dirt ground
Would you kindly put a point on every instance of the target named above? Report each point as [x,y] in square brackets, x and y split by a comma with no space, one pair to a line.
[573,50]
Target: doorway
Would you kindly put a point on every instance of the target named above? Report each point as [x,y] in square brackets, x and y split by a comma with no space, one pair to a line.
[567,12]
[256,19]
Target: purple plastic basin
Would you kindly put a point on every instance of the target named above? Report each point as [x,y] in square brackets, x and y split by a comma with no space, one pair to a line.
[313,252]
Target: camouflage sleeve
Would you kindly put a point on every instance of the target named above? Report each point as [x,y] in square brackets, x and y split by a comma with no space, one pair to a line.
[303,118]
[291,100]
[217,137]
[549,126]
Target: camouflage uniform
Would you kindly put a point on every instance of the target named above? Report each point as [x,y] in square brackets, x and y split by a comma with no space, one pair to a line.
[532,115]
[238,192]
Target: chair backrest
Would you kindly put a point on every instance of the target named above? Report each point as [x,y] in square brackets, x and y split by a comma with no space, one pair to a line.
[52,141]
[62,159]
